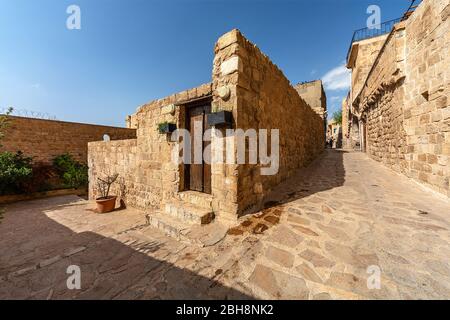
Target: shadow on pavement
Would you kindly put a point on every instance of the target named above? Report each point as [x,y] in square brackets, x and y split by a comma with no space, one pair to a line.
[325,173]
[35,252]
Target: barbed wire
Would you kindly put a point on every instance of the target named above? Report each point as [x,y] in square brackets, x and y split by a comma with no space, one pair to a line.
[29,114]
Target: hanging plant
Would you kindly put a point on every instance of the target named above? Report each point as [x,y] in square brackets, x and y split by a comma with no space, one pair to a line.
[166,127]
[221,118]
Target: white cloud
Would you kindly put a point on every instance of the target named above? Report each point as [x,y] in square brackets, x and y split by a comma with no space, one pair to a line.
[313,72]
[338,78]
[337,98]
[36,85]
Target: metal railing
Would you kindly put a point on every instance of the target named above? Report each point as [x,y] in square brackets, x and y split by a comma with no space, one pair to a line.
[376,31]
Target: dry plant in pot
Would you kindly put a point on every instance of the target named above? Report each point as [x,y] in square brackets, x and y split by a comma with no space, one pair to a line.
[106,203]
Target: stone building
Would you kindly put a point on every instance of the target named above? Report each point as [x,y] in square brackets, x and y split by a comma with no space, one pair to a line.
[248,90]
[399,94]
[350,127]
[334,134]
[345,123]
[314,95]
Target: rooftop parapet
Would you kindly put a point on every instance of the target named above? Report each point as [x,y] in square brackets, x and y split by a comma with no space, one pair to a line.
[369,33]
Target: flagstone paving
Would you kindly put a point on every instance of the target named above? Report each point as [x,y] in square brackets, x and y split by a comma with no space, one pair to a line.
[323,234]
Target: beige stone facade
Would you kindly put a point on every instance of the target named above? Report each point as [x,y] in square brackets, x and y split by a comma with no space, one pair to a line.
[360,60]
[45,139]
[266,100]
[334,134]
[244,82]
[144,164]
[346,123]
[403,105]
[314,95]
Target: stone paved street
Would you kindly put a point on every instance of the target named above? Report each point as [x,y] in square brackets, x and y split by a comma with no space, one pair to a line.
[321,231]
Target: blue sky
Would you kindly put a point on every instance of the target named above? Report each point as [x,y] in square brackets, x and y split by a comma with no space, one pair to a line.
[129,52]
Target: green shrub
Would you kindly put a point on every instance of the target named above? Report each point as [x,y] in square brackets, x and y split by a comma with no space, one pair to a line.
[15,171]
[63,162]
[4,123]
[73,173]
[337,117]
[44,178]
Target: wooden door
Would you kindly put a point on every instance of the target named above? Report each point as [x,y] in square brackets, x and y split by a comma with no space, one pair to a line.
[198,172]
[363,133]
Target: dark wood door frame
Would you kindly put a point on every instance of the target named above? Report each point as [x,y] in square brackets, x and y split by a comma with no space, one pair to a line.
[197,177]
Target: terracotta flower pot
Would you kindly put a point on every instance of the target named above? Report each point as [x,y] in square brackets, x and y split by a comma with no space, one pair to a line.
[105,205]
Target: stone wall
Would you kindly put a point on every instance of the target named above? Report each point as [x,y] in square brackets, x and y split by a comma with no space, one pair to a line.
[107,158]
[346,142]
[427,90]
[144,165]
[259,97]
[45,139]
[404,101]
[314,95]
[361,59]
[334,134]
[350,127]
[380,103]
[266,100]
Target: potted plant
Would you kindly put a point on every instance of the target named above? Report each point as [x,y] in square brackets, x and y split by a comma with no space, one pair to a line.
[221,118]
[106,203]
[166,127]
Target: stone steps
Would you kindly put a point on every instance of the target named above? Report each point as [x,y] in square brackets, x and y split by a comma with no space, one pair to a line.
[171,226]
[189,213]
[194,234]
[185,219]
[195,198]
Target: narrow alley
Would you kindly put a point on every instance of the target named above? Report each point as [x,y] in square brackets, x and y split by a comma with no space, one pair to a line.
[326,231]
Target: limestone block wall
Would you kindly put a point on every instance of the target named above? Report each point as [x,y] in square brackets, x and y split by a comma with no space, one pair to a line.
[427,91]
[155,169]
[225,74]
[144,165]
[45,139]
[404,102]
[381,104]
[266,100]
[107,158]
[259,97]
[362,57]
[314,95]
[346,124]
